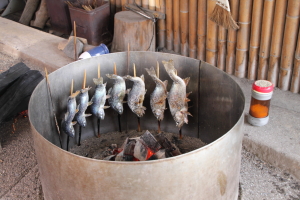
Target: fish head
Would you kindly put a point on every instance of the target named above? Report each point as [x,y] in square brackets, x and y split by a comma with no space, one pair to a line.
[81,121]
[119,108]
[159,114]
[101,114]
[71,131]
[181,117]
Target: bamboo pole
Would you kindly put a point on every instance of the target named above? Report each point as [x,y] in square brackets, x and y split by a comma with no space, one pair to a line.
[152,4]
[138,2]
[192,28]
[123,2]
[184,26]
[145,3]
[255,38]
[276,43]
[265,39]
[201,29]
[161,23]
[118,5]
[289,44]
[295,86]
[231,38]
[211,38]
[243,35]
[131,1]
[176,26]
[222,36]
[169,24]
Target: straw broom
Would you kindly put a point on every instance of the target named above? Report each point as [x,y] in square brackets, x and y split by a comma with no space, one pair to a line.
[211,38]
[231,38]
[265,39]
[222,36]
[201,30]
[295,86]
[184,26]
[176,26]
[276,43]
[243,38]
[192,28]
[289,43]
[161,23]
[169,24]
[255,38]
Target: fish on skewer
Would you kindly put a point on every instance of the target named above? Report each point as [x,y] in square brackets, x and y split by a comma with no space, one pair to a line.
[136,95]
[67,124]
[177,96]
[82,106]
[117,93]
[158,96]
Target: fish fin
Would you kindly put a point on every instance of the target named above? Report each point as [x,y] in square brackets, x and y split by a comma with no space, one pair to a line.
[98,81]
[107,96]
[142,77]
[105,107]
[76,111]
[90,103]
[188,94]
[186,113]
[186,80]
[166,83]
[151,71]
[144,108]
[73,123]
[75,94]
[87,115]
[187,100]
[128,90]
[111,76]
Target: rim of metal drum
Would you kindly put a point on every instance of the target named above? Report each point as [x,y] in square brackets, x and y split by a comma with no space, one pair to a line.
[148,162]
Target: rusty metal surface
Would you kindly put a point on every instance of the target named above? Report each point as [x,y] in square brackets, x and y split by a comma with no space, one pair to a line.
[211,172]
[92,25]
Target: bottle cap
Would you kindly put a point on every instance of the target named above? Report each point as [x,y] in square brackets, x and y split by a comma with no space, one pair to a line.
[263,86]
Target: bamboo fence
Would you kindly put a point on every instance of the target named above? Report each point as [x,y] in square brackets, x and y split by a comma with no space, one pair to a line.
[266,46]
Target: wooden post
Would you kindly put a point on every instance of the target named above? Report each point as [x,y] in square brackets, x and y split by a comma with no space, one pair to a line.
[184,26]
[255,38]
[211,38]
[28,12]
[138,2]
[176,26]
[145,3]
[192,28]
[231,38]
[276,43]
[152,5]
[201,29]
[243,35]
[169,24]
[161,24]
[222,36]
[289,44]
[123,2]
[265,39]
[295,87]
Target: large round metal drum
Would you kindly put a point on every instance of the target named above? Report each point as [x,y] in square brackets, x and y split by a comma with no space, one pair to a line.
[211,172]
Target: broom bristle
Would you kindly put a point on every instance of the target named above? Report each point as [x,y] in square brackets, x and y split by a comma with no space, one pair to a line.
[223,17]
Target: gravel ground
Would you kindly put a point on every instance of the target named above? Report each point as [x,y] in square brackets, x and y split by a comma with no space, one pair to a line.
[19,177]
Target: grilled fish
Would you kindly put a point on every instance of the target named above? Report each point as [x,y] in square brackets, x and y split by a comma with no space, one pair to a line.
[117,93]
[136,95]
[82,106]
[177,96]
[99,98]
[158,96]
[67,124]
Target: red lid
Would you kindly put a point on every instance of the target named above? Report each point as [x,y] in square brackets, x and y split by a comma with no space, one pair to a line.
[263,86]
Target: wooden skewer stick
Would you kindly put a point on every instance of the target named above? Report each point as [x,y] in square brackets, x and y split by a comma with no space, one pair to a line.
[115,69]
[55,119]
[134,70]
[75,49]
[180,134]
[98,120]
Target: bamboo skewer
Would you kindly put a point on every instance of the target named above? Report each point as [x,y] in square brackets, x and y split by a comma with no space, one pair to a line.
[295,86]
[75,45]
[211,38]
[243,38]
[289,43]
[201,29]
[255,38]
[161,23]
[231,38]
[54,115]
[265,39]
[169,24]
[222,36]
[176,28]
[192,28]
[276,43]
[184,26]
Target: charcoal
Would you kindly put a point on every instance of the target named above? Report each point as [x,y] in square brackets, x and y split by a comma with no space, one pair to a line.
[161,154]
[111,157]
[150,141]
[120,156]
[171,149]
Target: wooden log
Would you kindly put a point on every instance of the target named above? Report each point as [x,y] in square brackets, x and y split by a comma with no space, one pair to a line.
[184,27]
[231,38]
[222,36]
[176,26]
[201,29]
[243,35]
[28,12]
[192,29]
[255,38]
[145,3]
[295,86]
[169,24]
[8,77]
[276,43]
[17,96]
[289,44]
[211,38]
[161,24]
[134,29]
[265,39]
[41,16]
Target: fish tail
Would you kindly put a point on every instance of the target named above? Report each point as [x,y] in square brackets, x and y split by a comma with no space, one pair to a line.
[98,81]
[151,72]
[169,66]
[112,76]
